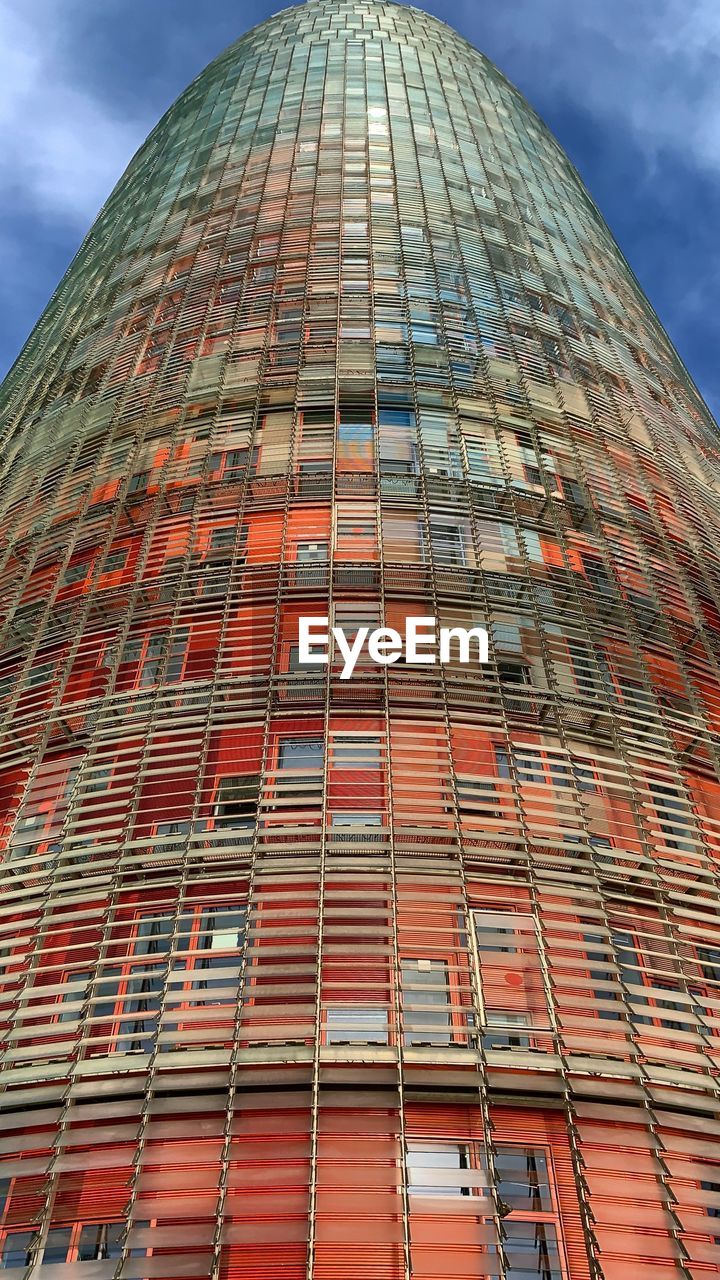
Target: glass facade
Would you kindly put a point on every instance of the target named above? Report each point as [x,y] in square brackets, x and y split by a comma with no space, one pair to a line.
[412,969]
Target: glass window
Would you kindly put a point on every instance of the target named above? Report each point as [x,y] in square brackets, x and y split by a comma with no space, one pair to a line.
[309,552]
[709,958]
[356,818]
[180,829]
[236,802]
[294,663]
[504,1029]
[176,656]
[426,1002]
[100,1240]
[513,673]
[597,574]
[76,573]
[507,637]
[209,930]
[447,1158]
[139,482]
[78,982]
[531,1249]
[17,1249]
[148,652]
[356,751]
[301,753]
[448,544]
[357,1024]
[529,766]
[223,538]
[57,1244]
[523,1179]
[673,816]
[39,675]
[153,935]
[116,561]
[494,936]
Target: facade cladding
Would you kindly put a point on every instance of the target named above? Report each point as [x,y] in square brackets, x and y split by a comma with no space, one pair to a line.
[415,974]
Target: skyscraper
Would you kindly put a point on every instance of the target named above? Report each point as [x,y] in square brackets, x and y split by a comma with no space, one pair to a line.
[415,974]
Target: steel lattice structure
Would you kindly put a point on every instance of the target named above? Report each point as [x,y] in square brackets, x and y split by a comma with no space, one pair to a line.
[396,976]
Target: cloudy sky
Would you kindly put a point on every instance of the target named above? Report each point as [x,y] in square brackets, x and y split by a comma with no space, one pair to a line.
[630,87]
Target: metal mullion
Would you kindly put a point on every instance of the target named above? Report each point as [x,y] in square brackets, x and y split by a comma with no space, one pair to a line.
[481,1074]
[395,975]
[316,1083]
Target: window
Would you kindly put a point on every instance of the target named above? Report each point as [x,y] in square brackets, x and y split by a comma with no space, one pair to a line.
[511,979]
[76,573]
[236,802]
[356,818]
[139,482]
[295,665]
[310,552]
[301,753]
[713,1211]
[532,1251]
[448,544]
[100,1240]
[503,1030]
[84,1242]
[584,777]
[442,1169]
[222,539]
[629,962]
[355,445]
[493,934]
[39,675]
[17,1249]
[231,464]
[39,822]
[483,461]
[672,815]
[709,958]
[357,1024]
[116,561]
[591,670]
[573,491]
[507,637]
[211,940]
[513,673]
[57,1244]
[356,751]
[151,653]
[597,575]
[97,779]
[426,1002]
[533,546]
[529,766]
[523,1179]
[532,1226]
[129,994]
[77,981]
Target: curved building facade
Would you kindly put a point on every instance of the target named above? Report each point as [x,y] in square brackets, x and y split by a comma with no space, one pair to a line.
[409,975]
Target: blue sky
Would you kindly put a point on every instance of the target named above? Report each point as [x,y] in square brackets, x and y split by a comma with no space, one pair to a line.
[631,88]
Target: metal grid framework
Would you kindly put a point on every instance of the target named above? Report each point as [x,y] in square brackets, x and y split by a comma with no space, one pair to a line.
[409,969]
